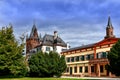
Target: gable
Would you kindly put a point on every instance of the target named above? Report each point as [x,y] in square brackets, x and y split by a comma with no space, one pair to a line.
[107,41]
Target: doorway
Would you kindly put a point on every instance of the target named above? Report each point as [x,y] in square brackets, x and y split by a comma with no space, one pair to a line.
[70,70]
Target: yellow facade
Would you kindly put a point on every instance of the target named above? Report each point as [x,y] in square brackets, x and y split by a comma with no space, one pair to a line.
[94,62]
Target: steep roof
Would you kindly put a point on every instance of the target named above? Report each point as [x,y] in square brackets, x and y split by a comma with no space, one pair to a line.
[49,41]
[33,30]
[109,23]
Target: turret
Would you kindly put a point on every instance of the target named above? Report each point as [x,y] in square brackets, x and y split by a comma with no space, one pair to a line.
[109,29]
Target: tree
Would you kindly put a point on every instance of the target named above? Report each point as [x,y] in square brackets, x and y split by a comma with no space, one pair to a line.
[114,59]
[37,65]
[11,59]
[61,66]
[47,64]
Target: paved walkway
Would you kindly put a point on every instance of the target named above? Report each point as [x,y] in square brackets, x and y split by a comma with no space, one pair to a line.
[99,78]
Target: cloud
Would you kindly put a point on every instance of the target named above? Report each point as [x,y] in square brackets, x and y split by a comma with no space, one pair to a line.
[77,21]
[76,35]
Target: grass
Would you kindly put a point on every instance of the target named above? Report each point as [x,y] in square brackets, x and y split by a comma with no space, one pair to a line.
[40,79]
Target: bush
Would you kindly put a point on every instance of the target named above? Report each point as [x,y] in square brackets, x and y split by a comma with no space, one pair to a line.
[47,64]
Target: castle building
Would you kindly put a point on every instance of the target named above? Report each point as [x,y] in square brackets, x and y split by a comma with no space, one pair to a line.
[91,59]
[35,42]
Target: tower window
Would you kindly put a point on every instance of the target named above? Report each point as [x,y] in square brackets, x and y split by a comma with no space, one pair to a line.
[111,33]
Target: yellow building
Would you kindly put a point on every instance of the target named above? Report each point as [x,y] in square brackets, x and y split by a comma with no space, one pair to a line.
[91,59]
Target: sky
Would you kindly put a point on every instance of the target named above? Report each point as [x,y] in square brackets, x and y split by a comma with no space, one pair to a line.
[78,22]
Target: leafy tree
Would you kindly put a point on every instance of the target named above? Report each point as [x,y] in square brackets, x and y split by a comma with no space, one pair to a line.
[47,64]
[114,59]
[11,59]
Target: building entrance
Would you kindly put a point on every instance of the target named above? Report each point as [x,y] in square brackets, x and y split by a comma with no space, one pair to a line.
[70,70]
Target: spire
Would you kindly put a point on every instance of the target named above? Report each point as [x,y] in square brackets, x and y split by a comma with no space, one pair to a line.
[34,31]
[109,30]
[109,23]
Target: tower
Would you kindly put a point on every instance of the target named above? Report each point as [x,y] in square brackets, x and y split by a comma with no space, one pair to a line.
[109,29]
[33,40]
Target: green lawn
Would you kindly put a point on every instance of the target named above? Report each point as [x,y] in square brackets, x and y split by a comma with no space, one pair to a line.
[39,79]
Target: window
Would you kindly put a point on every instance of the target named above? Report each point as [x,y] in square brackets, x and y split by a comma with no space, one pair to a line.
[82,58]
[75,69]
[68,59]
[107,52]
[47,48]
[72,59]
[101,68]
[99,55]
[80,69]
[87,57]
[91,56]
[86,69]
[77,58]
[38,49]
[92,68]
[104,55]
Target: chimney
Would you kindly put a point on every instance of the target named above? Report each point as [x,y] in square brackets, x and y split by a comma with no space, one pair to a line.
[55,34]
[68,45]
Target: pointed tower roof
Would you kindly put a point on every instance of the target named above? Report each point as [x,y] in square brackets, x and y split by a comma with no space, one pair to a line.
[109,23]
[33,30]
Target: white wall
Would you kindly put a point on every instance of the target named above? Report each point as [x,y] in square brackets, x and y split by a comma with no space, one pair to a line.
[44,48]
[59,48]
